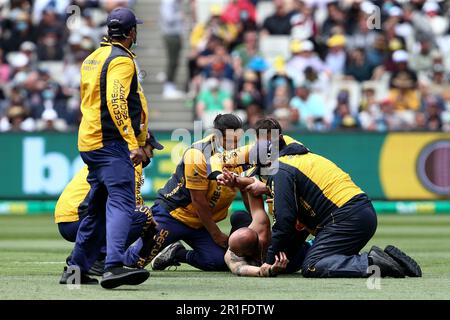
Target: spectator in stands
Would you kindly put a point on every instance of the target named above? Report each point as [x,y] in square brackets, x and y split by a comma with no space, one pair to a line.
[397,25]
[343,117]
[50,122]
[281,98]
[335,17]
[336,56]
[5,70]
[392,120]
[358,67]
[309,108]
[302,22]
[279,78]
[29,49]
[172,26]
[254,114]
[249,93]
[433,108]
[422,61]
[401,68]
[361,36]
[110,5]
[50,47]
[303,56]
[394,44]
[280,22]
[370,116]
[319,82]
[246,51]
[404,93]
[212,101]
[214,27]
[59,7]
[284,117]
[51,36]
[220,68]
[439,82]
[17,120]
[433,13]
[16,29]
[376,53]
[236,10]
[20,67]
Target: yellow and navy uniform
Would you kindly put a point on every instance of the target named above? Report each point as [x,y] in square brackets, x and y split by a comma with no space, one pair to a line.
[238,157]
[112,101]
[309,189]
[72,204]
[194,172]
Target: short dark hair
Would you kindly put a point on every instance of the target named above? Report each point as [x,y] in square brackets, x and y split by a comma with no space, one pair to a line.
[268,124]
[227,121]
[118,32]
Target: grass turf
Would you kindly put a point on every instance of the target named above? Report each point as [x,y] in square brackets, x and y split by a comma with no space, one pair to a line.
[32,255]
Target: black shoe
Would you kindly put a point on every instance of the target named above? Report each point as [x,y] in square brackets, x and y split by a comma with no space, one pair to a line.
[119,276]
[409,265]
[97,269]
[84,279]
[166,257]
[387,265]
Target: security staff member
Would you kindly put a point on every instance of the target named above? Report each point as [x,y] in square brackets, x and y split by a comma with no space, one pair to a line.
[189,206]
[112,131]
[313,195]
[311,191]
[72,205]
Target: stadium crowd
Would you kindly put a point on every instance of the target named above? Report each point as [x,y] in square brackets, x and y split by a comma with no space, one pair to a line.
[322,65]
[42,45]
[316,65]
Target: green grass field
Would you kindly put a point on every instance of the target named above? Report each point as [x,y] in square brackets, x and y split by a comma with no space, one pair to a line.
[32,256]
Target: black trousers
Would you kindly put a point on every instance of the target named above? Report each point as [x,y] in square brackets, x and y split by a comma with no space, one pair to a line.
[336,249]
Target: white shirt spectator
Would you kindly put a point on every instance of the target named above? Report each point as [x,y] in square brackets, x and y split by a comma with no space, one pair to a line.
[171,17]
[60,6]
[335,61]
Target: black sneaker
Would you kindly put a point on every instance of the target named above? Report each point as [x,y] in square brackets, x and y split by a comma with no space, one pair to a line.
[84,279]
[97,269]
[119,276]
[166,257]
[409,265]
[387,265]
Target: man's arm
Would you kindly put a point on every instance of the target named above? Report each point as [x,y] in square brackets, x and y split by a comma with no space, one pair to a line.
[195,172]
[239,266]
[119,77]
[200,203]
[260,222]
[285,202]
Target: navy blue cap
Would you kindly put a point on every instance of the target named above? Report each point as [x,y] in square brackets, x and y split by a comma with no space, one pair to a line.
[123,17]
[151,140]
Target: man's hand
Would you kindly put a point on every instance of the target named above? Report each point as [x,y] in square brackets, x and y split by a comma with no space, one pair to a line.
[257,188]
[137,155]
[226,178]
[267,270]
[221,239]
